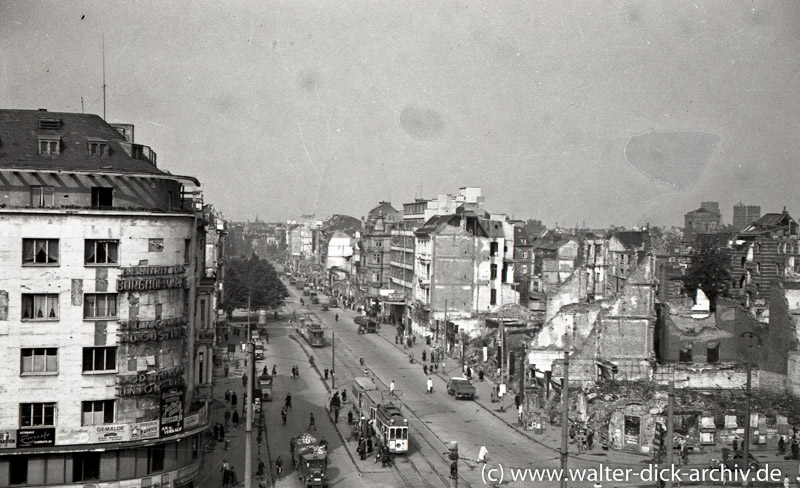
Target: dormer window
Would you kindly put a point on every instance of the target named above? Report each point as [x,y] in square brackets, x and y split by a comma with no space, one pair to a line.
[97,147]
[137,151]
[49,145]
[49,124]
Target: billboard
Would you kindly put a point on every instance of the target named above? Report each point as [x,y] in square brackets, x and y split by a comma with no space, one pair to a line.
[171,411]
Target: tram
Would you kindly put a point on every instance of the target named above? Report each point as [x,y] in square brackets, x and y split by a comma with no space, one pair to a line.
[382,411]
[311,332]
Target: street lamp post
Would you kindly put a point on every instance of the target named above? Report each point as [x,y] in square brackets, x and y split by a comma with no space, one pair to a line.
[748,394]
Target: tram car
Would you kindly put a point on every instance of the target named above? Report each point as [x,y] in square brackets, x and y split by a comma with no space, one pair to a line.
[382,411]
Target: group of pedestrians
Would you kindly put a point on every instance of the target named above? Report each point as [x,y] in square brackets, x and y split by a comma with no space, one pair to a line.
[229,477]
[232,399]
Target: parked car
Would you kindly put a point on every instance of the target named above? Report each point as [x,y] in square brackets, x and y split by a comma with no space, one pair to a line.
[735,460]
[460,387]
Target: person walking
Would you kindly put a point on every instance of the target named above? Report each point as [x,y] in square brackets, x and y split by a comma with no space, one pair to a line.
[425,369]
[234,480]
[225,469]
[234,400]
[244,380]
[311,424]
[278,466]
[482,454]
[391,387]
[226,370]
[221,434]
[336,318]
[735,444]
[424,355]
[430,385]
[274,370]
[227,418]
[288,401]
[284,412]
[344,396]
[227,395]
[264,372]
[235,419]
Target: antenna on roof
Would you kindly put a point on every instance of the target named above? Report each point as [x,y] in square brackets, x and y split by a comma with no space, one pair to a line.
[104,76]
[82,111]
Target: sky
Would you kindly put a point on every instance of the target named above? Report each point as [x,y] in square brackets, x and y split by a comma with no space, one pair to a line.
[596,112]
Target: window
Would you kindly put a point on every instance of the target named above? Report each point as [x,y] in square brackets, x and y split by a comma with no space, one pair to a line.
[376,258]
[379,243]
[160,308]
[493,275]
[97,148]
[97,412]
[38,360]
[187,251]
[493,297]
[101,251]
[524,269]
[49,145]
[524,254]
[18,471]
[155,458]
[102,197]
[37,414]
[37,252]
[99,305]
[758,267]
[39,306]
[155,245]
[712,352]
[99,359]
[42,196]
[685,355]
[493,246]
[85,466]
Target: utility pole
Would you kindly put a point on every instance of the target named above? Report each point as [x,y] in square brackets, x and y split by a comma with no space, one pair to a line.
[522,378]
[333,360]
[444,351]
[248,439]
[247,337]
[668,440]
[565,414]
[503,355]
[748,394]
[104,77]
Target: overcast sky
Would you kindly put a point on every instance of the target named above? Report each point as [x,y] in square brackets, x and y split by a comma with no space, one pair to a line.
[608,112]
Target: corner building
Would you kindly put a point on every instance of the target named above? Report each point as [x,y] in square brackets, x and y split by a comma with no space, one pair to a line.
[102,377]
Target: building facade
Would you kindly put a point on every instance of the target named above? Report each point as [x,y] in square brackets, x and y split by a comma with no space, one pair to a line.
[744,215]
[704,220]
[106,368]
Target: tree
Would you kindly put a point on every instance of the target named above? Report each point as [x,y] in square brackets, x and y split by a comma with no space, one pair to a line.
[534,228]
[254,278]
[709,271]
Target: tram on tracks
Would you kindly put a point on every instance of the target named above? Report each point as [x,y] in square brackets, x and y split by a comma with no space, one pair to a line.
[382,410]
[310,330]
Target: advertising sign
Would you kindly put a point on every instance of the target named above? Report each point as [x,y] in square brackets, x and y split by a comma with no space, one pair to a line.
[78,435]
[144,430]
[36,437]
[171,411]
[109,433]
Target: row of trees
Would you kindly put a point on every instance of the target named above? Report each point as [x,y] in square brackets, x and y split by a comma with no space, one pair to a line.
[255,278]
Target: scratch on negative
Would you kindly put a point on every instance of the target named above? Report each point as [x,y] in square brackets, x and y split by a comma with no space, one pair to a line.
[303,140]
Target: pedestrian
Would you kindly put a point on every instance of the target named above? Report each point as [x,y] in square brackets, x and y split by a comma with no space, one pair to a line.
[227,395]
[284,412]
[274,370]
[288,401]
[326,374]
[430,385]
[436,366]
[226,370]
[225,469]
[311,425]
[517,401]
[336,317]
[216,430]
[361,360]
[227,418]
[233,478]
[244,380]
[482,454]
[234,400]
[235,419]
[344,396]
[362,449]
[735,443]
[369,445]
[264,372]
[590,441]
[278,466]
[425,369]
[424,355]
[469,373]
[781,446]
[261,467]
[480,375]
[221,434]
[391,387]
[396,339]
[786,482]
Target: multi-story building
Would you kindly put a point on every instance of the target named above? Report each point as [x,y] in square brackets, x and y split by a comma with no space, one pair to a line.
[523,262]
[744,215]
[106,307]
[375,249]
[704,220]
[762,254]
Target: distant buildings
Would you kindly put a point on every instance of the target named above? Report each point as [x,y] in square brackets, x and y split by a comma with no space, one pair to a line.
[706,219]
[744,215]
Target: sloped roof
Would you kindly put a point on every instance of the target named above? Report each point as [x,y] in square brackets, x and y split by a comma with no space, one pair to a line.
[702,210]
[633,239]
[386,211]
[19,145]
[433,223]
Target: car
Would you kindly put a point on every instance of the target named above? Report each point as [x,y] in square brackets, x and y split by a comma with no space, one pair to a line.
[461,387]
[259,351]
[735,460]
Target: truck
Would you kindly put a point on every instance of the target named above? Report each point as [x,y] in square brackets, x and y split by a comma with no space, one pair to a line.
[265,385]
[310,459]
[461,387]
[324,302]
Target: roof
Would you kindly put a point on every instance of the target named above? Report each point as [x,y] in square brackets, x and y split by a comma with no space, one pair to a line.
[702,210]
[385,210]
[20,134]
[433,223]
[633,239]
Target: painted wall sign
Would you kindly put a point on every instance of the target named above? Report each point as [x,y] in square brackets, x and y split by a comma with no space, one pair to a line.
[143,278]
[36,437]
[153,270]
[144,430]
[8,439]
[171,411]
[150,382]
